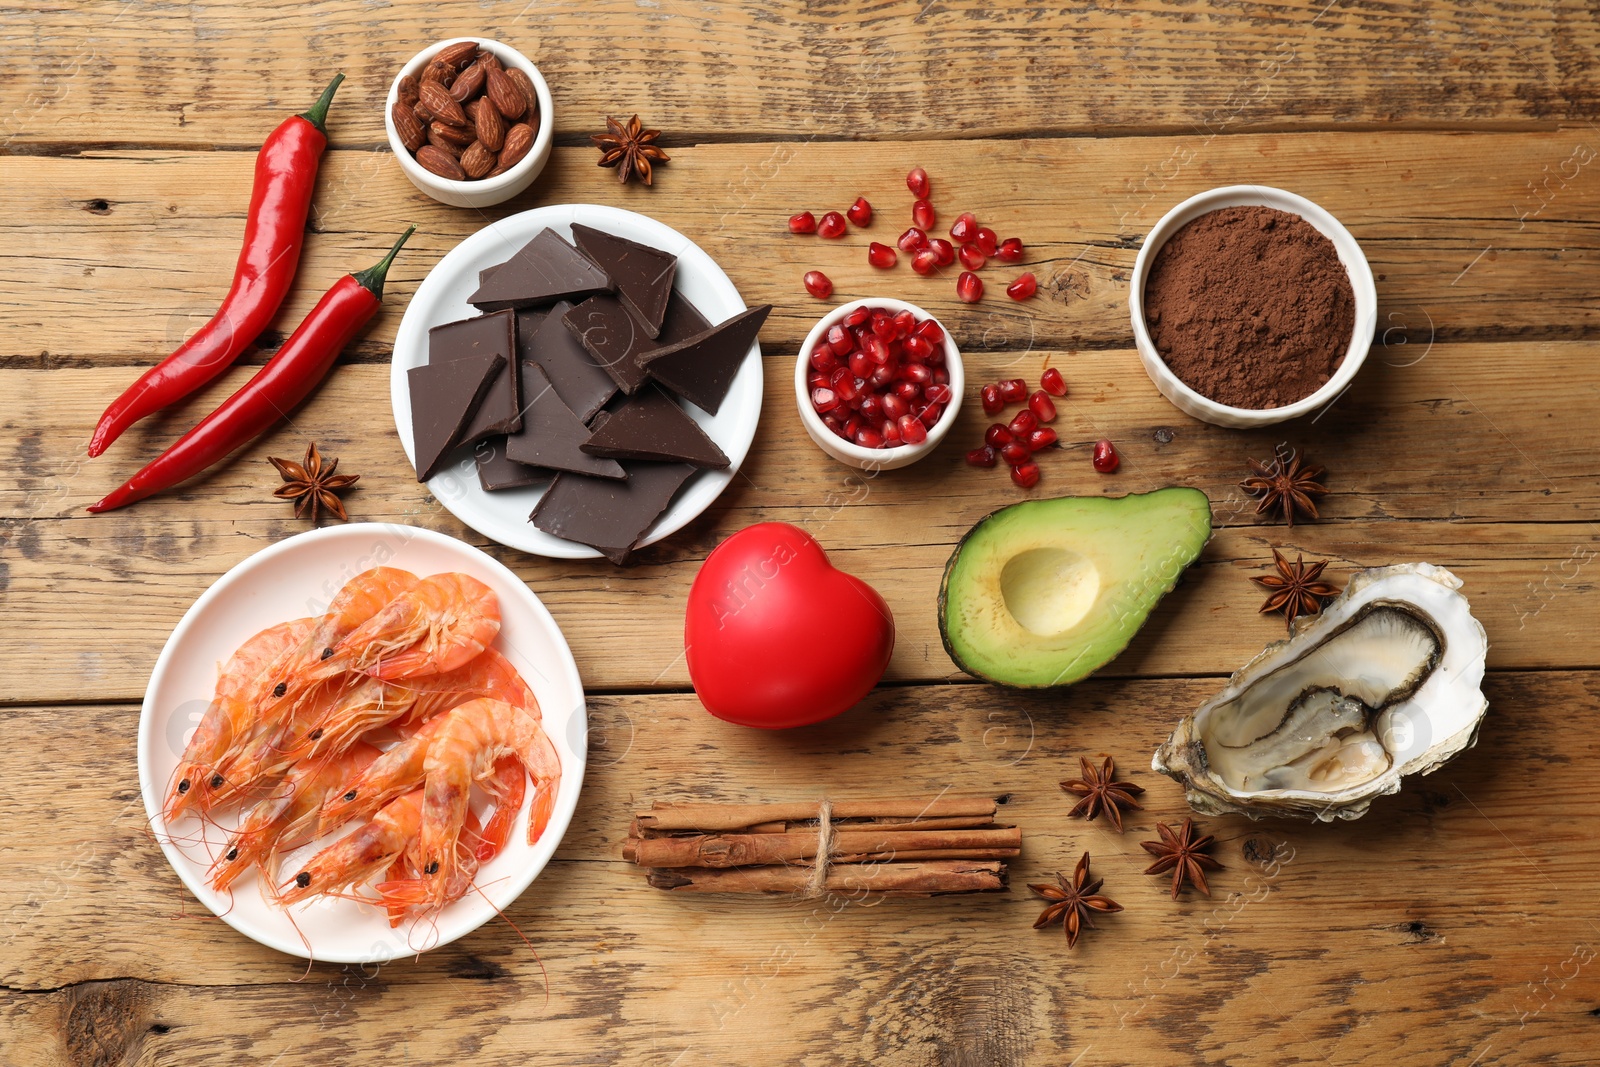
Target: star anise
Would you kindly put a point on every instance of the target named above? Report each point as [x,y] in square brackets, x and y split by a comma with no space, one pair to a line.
[1288,483]
[1183,854]
[1072,901]
[1297,588]
[1100,793]
[312,486]
[630,148]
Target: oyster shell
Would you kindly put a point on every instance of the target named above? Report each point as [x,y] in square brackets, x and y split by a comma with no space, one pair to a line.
[1384,683]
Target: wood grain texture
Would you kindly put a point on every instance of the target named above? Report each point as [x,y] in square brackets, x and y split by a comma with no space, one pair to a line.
[1355,943]
[1459,230]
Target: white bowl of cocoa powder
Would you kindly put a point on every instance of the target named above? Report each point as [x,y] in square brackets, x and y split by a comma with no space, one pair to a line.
[1251,306]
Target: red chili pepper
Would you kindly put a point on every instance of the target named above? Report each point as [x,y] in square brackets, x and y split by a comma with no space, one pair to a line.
[286,174]
[288,378]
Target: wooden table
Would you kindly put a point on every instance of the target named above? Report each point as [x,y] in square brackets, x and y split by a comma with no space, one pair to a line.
[1456,924]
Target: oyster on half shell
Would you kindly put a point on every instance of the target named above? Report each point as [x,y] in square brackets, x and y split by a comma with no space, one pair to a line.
[1385,682]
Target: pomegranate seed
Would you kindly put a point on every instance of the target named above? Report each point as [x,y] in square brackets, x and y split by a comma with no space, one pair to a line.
[852,426]
[818,285]
[917,182]
[912,431]
[1010,250]
[929,415]
[843,384]
[839,339]
[969,287]
[904,323]
[964,229]
[917,374]
[1015,454]
[1023,288]
[894,405]
[997,436]
[986,240]
[877,350]
[1052,382]
[938,393]
[817,380]
[1106,459]
[1024,423]
[805,222]
[890,430]
[925,261]
[931,330]
[1043,437]
[860,365]
[860,212]
[943,249]
[922,215]
[912,240]
[831,226]
[940,375]
[823,359]
[883,375]
[858,317]
[868,438]
[881,256]
[992,404]
[824,400]
[871,407]
[1013,390]
[1041,405]
[982,457]
[1027,475]
[917,350]
[971,257]
[908,391]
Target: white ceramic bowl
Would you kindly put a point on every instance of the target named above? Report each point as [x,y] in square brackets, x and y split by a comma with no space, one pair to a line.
[1204,408]
[848,452]
[485,191]
[297,577]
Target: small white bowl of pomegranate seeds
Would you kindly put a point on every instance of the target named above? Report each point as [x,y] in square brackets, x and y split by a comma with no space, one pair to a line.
[878,383]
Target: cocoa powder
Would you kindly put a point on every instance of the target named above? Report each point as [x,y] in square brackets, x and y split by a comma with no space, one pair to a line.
[1250,307]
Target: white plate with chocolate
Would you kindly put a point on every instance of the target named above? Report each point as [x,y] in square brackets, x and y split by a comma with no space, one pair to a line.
[577,381]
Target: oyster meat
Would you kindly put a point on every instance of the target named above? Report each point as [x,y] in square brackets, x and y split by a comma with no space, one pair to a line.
[1385,682]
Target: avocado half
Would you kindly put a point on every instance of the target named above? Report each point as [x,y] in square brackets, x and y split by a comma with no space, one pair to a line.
[1046,592]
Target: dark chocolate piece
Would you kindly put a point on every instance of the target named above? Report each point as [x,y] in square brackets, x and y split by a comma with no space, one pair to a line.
[578,380]
[652,426]
[615,339]
[544,270]
[551,433]
[443,397]
[500,410]
[643,275]
[483,276]
[701,368]
[683,321]
[610,516]
[497,471]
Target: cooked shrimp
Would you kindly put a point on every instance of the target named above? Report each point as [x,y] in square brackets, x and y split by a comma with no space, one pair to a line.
[487,675]
[439,624]
[358,856]
[287,819]
[396,772]
[231,715]
[258,764]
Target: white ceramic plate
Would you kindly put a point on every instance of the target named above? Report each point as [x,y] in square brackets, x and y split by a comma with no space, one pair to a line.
[442,297]
[297,577]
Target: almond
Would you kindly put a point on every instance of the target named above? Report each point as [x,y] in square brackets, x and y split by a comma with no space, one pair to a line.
[437,161]
[467,85]
[460,136]
[519,77]
[477,160]
[439,72]
[490,61]
[519,139]
[486,119]
[497,172]
[408,89]
[437,99]
[505,94]
[443,142]
[412,135]
[420,109]
[457,55]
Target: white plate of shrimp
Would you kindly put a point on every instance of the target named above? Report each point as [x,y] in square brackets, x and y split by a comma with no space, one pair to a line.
[362,743]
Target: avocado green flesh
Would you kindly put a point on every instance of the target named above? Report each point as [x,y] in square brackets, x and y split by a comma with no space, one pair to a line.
[1046,592]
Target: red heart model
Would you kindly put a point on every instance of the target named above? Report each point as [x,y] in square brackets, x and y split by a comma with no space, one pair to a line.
[776,637]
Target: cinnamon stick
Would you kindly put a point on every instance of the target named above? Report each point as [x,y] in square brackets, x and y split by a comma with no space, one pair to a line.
[923,879]
[743,850]
[700,816]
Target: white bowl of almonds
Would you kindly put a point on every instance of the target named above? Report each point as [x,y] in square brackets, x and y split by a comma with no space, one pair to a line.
[470,121]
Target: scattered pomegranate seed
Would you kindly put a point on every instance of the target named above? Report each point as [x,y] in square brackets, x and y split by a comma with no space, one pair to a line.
[805,222]
[1027,475]
[964,229]
[987,240]
[1023,423]
[1013,390]
[1042,406]
[917,182]
[1052,382]
[982,457]
[912,240]
[1106,459]
[1023,288]
[969,287]
[818,285]
[831,226]
[925,261]
[1010,250]
[1043,437]
[912,431]
[992,404]
[944,250]
[1015,454]
[997,436]
[922,214]
[860,212]
[972,257]
[881,256]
